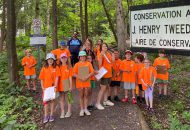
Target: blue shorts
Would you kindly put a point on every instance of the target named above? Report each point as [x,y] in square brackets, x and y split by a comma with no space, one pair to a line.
[129,85]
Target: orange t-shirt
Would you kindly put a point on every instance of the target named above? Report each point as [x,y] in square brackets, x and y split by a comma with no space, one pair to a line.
[106,64]
[97,50]
[27,62]
[48,75]
[58,52]
[66,73]
[128,65]
[147,74]
[162,62]
[79,83]
[116,69]
[139,66]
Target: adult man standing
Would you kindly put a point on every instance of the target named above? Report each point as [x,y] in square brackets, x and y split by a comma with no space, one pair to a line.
[74,46]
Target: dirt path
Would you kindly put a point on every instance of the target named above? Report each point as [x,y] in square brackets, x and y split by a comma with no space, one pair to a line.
[119,117]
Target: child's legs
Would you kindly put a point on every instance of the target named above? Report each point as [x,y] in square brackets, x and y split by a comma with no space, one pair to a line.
[146,96]
[90,96]
[106,93]
[116,90]
[85,98]
[165,88]
[101,92]
[160,86]
[133,93]
[126,93]
[81,91]
[62,102]
[142,94]
[51,107]
[28,83]
[150,96]
[34,83]
[69,106]
[46,106]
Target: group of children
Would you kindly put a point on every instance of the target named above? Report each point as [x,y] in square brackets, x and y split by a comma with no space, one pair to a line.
[138,76]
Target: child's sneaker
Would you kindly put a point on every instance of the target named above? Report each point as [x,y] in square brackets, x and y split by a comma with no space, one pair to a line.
[51,119]
[124,100]
[146,107]
[99,107]
[87,112]
[116,98]
[46,119]
[108,103]
[62,115]
[134,101]
[81,113]
[68,114]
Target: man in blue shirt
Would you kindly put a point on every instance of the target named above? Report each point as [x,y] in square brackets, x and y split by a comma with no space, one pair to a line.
[74,46]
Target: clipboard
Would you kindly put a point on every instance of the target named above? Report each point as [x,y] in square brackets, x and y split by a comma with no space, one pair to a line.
[161,69]
[83,71]
[66,84]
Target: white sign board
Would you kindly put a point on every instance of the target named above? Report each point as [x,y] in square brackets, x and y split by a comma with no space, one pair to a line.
[166,28]
[37,40]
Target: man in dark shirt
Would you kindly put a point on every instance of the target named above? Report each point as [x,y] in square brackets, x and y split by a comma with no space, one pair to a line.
[74,46]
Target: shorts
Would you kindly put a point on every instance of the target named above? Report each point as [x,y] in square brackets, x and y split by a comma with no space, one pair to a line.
[92,84]
[31,76]
[161,81]
[105,81]
[129,85]
[140,87]
[115,84]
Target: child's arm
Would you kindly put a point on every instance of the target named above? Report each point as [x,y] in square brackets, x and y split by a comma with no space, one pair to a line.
[144,83]
[100,59]
[56,82]
[76,76]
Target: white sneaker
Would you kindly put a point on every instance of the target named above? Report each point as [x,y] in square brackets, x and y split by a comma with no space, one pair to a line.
[81,113]
[87,112]
[68,114]
[108,103]
[62,115]
[99,107]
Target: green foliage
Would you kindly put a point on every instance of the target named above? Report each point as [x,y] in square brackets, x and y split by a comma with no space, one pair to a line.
[175,124]
[15,108]
[155,124]
[177,105]
[186,115]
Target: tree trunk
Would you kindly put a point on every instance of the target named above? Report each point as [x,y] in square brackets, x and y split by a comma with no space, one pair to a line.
[3,29]
[11,45]
[54,13]
[121,27]
[37,9]
[109,20]
[82,22]
[86,18]
[48,17]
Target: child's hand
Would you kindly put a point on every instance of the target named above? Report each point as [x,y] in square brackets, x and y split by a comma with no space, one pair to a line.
[70,89]
[85,79]
[102,53]
[95,72]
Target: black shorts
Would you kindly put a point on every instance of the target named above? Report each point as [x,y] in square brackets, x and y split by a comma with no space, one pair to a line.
[140,87]
[115,84]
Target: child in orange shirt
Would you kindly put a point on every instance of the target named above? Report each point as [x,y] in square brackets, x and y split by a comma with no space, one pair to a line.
[116,78]
[162,78]
[83,83]
[66,74]
[139,58]
[148,77]
[59,51]
[128,67]
[105,59]
[49,76]
[29,62]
